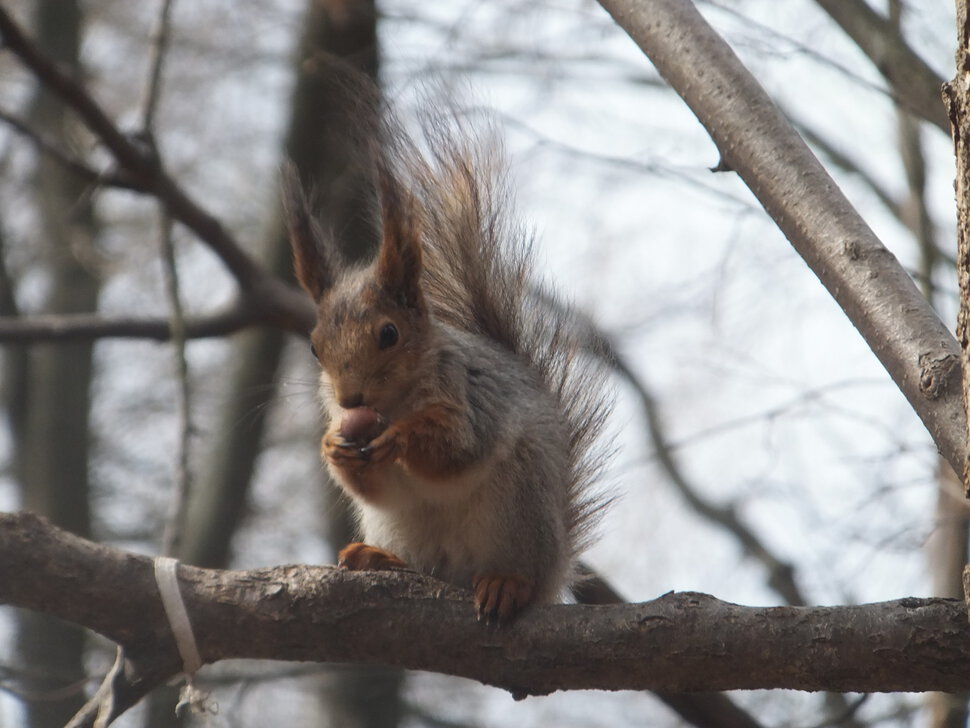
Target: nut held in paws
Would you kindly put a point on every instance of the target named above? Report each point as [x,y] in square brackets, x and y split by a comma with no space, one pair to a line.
[360,425]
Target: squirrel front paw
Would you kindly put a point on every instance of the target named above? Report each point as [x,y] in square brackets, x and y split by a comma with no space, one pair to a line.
[340,452]
[364,557]
[500,597]
[352,455]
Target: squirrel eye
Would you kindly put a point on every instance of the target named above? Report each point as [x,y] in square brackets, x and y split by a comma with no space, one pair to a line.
[313,350]
[388,336]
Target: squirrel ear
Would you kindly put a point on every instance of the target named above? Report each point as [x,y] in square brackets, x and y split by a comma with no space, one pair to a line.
[399,263]
[314,269]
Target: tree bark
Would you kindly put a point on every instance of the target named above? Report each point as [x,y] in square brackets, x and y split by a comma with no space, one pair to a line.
[679,642]
[957,94]
[756,141]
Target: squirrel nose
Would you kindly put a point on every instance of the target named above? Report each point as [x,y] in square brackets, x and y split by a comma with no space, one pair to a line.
[352,400]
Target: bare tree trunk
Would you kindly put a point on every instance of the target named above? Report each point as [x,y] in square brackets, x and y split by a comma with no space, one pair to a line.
[947,546]
[317,141]
[52,436]
[324,142]
[947,553]
[320,140]
[947,712]
[957,95]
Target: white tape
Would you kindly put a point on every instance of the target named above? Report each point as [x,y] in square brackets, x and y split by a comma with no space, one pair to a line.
[178,619]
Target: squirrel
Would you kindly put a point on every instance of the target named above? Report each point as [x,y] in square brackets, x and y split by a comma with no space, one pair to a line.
[462,412]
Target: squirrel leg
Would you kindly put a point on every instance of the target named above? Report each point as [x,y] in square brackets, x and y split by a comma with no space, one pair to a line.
[364,557]
[501,596]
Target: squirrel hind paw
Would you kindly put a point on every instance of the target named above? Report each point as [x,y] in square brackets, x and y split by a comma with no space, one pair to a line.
[364,557]
[501,597]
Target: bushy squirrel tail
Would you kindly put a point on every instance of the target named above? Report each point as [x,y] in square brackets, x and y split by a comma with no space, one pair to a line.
[478,277]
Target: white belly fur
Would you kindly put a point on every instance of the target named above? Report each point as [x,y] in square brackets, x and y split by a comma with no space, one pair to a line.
[441,528]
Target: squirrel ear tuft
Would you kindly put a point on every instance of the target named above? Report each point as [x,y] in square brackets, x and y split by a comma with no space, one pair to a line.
[399,263]
[313,267]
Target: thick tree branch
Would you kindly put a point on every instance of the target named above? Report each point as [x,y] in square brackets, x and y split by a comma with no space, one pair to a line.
[705,710]
[756,140]
[679,642]
[844,162]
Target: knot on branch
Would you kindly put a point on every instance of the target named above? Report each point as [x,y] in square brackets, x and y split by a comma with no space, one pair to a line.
[938,373]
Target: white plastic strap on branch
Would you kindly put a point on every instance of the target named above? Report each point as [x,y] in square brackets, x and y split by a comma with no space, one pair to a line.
[178,619]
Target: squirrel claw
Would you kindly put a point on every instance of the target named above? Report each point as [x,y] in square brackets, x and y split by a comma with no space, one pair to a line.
[382,448]
[499,598]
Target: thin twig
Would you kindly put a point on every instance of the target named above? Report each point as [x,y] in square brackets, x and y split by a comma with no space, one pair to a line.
[182,483]
[89,326]
[82,170]
[278,306]
[159,46]
[781,573]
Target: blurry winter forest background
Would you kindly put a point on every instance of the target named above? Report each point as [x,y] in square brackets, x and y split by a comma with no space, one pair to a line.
[773,439]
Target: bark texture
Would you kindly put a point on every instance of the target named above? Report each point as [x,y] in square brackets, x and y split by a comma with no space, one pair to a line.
[679,642]
[957,94]
[756,141]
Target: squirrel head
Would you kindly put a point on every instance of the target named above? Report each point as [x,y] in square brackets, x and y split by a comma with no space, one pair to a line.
[373,329]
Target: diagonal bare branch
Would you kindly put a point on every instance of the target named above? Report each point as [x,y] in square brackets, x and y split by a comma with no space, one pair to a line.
[160,42]
[137,159]
[781,573]
[265,300]
[171,537]
[914,84]
[755,140]
[46,146]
